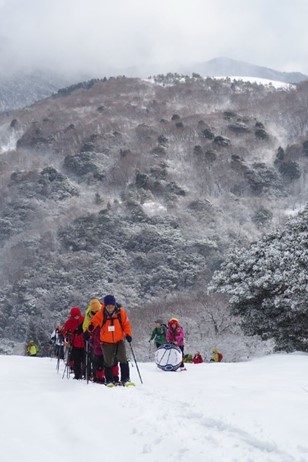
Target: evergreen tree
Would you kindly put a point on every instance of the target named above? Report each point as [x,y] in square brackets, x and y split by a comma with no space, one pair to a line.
[268,284]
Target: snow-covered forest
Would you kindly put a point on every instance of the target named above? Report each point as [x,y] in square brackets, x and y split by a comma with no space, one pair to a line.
[140,188]
[268,284]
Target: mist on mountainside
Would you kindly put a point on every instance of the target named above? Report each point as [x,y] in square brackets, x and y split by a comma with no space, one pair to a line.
[140,188]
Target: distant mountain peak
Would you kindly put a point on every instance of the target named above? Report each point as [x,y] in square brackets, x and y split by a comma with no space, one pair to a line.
[223,66]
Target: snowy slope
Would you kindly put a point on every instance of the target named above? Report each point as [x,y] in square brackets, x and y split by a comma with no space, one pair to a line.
[245,412]
[260,81]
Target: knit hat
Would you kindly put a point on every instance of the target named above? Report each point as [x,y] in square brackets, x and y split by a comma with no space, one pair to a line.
[173,321]
[95,305]
[75,311]
[109,300]
[158,321]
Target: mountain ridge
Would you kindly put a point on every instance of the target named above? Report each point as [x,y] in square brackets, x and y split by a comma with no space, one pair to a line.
[23,88]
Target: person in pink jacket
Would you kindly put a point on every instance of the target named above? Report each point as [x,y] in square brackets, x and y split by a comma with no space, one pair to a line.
[175,335]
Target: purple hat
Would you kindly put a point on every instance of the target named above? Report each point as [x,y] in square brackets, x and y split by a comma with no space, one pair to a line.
[109,300]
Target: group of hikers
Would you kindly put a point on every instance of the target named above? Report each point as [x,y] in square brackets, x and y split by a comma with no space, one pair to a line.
[173,333]
[93,345]
[96,342]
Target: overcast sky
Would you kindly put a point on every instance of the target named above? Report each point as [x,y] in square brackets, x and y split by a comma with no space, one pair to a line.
[99,36]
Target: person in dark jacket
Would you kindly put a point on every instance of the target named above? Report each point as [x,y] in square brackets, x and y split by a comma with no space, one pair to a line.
[73,332]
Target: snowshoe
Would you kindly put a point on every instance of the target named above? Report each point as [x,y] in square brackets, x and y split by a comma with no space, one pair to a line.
[110,385]
[128,383]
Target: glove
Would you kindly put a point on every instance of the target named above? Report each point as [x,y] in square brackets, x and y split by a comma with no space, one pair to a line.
[86,335]
[90,328]
[150,341]
[129,338]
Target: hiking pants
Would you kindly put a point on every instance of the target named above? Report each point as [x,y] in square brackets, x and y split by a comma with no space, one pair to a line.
[181,347]
[77,355]
[115,352]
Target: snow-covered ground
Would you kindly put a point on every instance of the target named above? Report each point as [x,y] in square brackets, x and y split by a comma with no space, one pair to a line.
[259,81]
[253,411]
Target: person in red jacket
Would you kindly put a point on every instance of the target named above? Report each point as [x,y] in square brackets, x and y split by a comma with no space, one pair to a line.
[197,359]
[114,328]
[73,332]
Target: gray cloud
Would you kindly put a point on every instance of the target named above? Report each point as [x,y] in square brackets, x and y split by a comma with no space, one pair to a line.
[107,36]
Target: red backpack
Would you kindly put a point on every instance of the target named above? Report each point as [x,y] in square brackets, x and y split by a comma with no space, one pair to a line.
[220,357]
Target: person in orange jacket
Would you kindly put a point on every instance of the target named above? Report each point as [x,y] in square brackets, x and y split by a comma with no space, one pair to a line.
[115,327]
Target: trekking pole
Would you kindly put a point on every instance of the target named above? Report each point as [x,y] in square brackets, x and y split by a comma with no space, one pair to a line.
[67,367]
[66,370]
[58,360]
[68,364]
[150,350]
[135,362]
[65,360]
[87,361]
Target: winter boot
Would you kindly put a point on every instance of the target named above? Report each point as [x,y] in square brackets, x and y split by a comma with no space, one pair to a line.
[124,372]
[115,373]
[99,376]
[108,375]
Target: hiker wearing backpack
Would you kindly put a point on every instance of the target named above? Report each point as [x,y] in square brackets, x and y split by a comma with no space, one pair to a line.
[94,355]
[72,331]
[159,333]
[216,356]
[114,327]
[57,340]
[175,335]
[94,306]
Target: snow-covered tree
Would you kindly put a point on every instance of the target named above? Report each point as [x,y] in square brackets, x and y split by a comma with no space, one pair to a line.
[268,284]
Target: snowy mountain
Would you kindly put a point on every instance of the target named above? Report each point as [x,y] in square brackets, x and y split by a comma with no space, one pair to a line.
[251,411]
[231,67]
